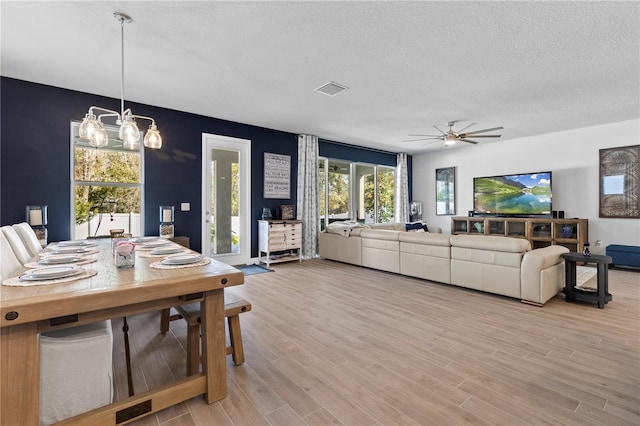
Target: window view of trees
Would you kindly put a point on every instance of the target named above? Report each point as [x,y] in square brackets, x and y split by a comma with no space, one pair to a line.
[386,193]
[107,183]
[373,189]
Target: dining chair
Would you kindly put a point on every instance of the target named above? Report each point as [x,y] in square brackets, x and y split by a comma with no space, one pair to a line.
[10,264]
[76,368]
[16,243]
[28,237]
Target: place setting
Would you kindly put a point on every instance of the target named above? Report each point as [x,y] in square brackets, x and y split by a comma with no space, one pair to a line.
[165,250]
[66,259]
[71,247]
[150,243]
[50,275]
[185,260]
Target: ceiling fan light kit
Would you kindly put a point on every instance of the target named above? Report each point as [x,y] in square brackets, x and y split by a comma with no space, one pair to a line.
[452,137]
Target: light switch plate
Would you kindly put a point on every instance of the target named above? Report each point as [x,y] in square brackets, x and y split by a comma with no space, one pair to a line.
[185,207]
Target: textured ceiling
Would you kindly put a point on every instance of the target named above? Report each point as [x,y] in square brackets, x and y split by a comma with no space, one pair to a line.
[532,67]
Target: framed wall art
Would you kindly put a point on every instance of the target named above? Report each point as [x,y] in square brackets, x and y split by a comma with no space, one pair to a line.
[619,182]
[446,191]
[277,176]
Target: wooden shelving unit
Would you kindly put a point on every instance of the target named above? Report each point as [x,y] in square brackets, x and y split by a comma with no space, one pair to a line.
[541,232]
[279,241]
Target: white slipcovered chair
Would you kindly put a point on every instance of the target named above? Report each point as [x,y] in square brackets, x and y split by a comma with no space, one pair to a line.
[29,237]
[76,371]
[16,243]
[76,368]
[10,264]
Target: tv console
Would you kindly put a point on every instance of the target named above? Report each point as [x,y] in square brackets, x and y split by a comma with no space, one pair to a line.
[541,232]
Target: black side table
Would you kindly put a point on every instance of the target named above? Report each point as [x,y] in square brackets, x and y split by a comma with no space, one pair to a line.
[601,296]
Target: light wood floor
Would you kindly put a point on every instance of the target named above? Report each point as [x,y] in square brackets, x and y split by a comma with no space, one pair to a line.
[328,343]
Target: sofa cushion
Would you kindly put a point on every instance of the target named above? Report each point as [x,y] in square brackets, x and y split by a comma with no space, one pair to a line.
[379,234]
[425,238]
[388,226]
[494,243]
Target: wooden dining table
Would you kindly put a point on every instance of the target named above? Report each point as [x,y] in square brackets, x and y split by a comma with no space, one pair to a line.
[111,293]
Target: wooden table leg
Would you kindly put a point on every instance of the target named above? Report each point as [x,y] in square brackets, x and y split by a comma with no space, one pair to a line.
[214,346]
[20,377]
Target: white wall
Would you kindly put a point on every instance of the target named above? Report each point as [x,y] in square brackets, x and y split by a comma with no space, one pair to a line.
[572,156]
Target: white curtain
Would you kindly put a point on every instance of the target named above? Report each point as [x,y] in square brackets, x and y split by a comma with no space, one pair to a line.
[307,207]
[402,190]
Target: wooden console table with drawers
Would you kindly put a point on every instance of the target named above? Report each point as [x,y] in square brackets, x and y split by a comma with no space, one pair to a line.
[279,241]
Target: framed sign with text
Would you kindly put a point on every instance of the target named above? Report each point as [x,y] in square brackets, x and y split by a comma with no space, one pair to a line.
[277,176]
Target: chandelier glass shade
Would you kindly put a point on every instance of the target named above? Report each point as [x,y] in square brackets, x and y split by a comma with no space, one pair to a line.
[92,127]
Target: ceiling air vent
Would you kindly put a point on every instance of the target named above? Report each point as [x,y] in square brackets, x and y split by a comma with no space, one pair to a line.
[331,88]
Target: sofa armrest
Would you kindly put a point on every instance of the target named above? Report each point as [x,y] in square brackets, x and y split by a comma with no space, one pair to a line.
[542,274]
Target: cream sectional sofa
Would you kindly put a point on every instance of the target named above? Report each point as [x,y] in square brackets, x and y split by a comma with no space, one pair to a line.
[494,264]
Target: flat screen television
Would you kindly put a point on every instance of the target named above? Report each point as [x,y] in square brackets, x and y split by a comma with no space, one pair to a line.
[524,194]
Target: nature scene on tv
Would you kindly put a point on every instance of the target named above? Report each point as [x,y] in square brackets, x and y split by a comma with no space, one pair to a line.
[516,194]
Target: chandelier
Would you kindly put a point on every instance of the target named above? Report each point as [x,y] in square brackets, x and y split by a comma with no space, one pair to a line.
[93,129]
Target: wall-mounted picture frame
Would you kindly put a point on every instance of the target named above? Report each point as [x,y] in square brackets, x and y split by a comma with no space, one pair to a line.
[620,182]
[446,191]
[287,212]
[277,176]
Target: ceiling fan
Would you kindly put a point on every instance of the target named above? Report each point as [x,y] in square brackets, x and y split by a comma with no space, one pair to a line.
[453,136]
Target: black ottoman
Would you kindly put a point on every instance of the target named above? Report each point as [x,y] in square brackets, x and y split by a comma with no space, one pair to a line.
[624,255]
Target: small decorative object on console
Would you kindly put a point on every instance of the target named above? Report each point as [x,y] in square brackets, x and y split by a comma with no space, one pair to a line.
[266,213]
[287,211]
[567,230]
[586,250]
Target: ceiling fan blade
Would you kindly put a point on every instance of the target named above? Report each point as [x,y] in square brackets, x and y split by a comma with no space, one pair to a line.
[435,127]
[427,136]
[464,135]
[485,130]
[468,141]
[466,127]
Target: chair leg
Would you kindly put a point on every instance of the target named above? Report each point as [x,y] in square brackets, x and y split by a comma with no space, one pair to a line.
[235,336]
[127,355]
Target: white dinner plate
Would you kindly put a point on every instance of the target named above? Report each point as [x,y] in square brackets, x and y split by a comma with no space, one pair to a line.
[77,243]
[60,258]
[166,250]
[182,259]
[140,240]
[51,273]
[154,244]
[69,250]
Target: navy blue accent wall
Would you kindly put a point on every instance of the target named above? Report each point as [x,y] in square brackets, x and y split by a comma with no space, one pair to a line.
[35,158]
